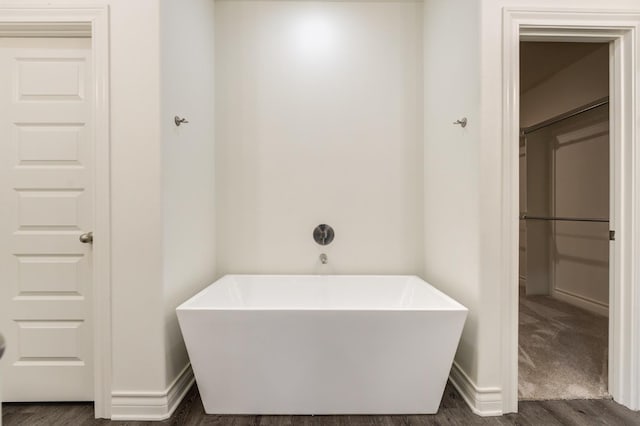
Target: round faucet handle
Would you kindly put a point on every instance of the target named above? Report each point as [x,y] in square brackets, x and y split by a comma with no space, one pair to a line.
[323,234]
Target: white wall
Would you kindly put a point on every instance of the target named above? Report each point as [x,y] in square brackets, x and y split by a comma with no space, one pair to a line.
[187,90]
[319,120]
[489,81]
[452,225]
[136,199]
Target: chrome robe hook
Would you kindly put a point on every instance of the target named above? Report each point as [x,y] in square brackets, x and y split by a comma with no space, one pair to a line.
[179,120]
[462,122]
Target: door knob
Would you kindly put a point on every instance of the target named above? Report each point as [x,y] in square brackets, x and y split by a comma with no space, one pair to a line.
[86,238]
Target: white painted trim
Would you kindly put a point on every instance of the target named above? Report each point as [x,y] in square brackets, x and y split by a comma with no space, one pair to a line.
[510,216]
[24,29]
[586,303]
[35,20]
[622,29]
[482,401]
[152,406]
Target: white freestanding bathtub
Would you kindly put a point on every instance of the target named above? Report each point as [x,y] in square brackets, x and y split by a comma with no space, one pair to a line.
[321,344]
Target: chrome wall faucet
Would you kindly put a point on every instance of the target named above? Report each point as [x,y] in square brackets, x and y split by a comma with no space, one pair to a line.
[323,234]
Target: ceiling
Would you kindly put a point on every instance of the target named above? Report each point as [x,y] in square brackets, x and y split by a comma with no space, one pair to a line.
[541,60]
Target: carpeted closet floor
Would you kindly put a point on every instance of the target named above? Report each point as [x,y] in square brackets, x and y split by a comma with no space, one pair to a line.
[562,351]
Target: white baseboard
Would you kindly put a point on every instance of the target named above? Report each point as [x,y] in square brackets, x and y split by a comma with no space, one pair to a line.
[484,402]
[155,406]
[586,303]
[152,406]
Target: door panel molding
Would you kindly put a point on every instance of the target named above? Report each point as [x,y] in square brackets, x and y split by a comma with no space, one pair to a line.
[622,31]
[82,21]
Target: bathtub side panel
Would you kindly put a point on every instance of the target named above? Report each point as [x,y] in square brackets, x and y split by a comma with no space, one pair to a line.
[321,362]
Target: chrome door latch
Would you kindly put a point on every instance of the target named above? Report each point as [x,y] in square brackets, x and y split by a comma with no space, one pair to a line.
[86,238]
[612,235]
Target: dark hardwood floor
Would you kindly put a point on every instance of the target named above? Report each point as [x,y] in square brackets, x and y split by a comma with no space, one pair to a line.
[453,411]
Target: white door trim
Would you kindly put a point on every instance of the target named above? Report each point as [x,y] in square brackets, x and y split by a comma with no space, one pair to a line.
[623,31]
[37,20]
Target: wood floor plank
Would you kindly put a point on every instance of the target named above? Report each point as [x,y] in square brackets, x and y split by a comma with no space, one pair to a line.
[533,413]
[591,412]
[14,418]
[566,413]
[453,412]
[621,413]
[275,421]
[451,398]
[316,420]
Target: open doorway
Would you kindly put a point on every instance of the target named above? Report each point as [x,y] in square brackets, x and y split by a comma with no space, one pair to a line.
[620,31]
[564,220]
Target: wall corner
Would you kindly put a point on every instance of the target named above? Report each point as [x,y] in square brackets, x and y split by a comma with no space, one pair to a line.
[152,406]
[483,401]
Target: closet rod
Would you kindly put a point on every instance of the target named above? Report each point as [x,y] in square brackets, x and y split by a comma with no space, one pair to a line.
[564,116]
[566,219]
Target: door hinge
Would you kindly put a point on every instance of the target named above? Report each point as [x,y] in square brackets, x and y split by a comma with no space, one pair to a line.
[612,235]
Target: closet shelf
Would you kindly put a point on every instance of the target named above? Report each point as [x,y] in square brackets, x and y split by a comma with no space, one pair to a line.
[565,219]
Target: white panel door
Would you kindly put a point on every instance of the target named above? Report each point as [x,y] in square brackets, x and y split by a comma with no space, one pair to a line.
[46,181]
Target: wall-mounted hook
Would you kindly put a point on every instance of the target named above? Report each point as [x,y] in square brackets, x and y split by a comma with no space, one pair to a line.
[462,122]
[179,120]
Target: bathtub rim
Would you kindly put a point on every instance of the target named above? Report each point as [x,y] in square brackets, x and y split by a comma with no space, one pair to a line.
[453,305]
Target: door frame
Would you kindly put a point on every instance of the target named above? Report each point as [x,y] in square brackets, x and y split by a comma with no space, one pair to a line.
[20,20]
[622,31]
